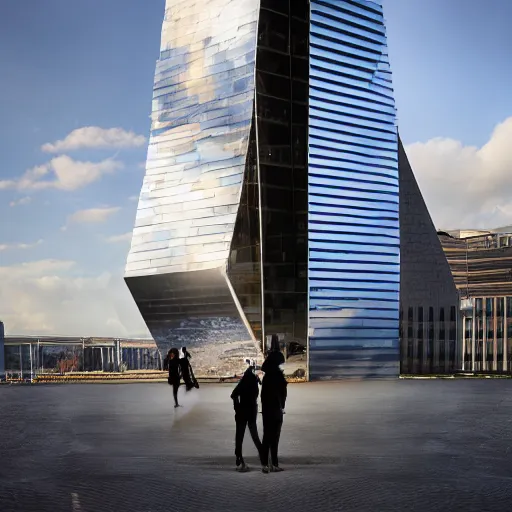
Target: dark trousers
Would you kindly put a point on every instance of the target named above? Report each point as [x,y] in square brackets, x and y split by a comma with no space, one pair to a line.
[185,373]
[175,386]
[245,419]
[272,424]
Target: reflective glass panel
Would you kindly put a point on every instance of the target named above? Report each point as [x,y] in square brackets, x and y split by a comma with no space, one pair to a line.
[353,197]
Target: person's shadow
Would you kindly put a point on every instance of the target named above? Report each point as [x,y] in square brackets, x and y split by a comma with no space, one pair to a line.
[226,462]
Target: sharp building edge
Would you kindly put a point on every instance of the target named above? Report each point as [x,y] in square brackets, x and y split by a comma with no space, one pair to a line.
[203,100]
[272,201]
[429,309]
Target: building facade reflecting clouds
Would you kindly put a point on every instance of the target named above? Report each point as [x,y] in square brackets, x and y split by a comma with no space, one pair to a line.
[271,199]
[354,240]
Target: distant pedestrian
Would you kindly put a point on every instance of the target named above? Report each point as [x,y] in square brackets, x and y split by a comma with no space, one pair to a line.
[273,400]
[186,370]
[172,361]
[245,402]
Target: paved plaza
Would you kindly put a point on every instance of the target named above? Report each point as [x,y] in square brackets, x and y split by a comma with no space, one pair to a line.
[365,446]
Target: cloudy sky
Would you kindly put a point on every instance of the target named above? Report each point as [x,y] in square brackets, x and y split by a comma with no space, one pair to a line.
[75,101]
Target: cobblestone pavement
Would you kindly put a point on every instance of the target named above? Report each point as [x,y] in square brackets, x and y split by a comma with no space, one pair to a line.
[362,446]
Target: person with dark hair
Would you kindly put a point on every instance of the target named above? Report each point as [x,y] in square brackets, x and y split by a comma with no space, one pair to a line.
[274,356]
[245,402]
[186,370]
[172,363]
[273,400]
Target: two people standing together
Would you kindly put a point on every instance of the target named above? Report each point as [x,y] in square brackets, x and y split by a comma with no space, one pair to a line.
[179,368]
[273,400]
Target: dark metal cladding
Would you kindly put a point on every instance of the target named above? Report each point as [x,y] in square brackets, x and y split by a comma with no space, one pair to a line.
[282,75]
[429,303]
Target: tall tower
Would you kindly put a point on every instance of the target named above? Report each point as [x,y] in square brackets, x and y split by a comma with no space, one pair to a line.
[353,189]
[270,203]
[191,198]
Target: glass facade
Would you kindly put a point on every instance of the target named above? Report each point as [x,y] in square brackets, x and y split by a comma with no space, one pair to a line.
[270,201]
[353,228]
[201,120]
[178,268]
[282,125]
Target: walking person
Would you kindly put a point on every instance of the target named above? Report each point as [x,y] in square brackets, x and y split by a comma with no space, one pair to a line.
[172,362]
[245,402]
[273,400]
[186,370]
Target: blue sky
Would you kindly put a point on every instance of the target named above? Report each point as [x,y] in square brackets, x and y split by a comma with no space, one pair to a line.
[449,61]
[67,65]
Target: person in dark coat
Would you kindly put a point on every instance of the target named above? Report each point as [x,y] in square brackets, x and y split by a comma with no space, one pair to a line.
[186,370]
[172,363]
[273,401]
[245,402]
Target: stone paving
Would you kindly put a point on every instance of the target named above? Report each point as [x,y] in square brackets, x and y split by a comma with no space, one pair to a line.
[346,446]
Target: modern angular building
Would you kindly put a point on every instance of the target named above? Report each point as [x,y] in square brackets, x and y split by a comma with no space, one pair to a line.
[278,198]
[480,263]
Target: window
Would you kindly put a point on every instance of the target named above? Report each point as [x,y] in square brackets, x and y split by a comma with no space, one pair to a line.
[273,31]
[453,324]
[468,332]
[478,307]
[410,344]
[442,330]
[509,306]
[272,62]
[281,6]
[420,323]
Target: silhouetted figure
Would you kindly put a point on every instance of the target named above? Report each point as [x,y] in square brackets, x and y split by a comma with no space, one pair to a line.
[172,363]
[186,370]
[245,402]
[274,356]
[273,401]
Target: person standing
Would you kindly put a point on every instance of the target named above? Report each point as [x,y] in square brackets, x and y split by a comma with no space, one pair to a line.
[245,402]
[273,401]
[186,370]
[172,361]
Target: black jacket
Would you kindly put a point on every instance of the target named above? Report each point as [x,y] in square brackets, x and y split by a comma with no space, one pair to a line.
[274,389]
[245,395]
[274,359]
[174,370]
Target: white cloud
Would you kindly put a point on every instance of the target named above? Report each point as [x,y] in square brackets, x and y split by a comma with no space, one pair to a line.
[91,215]
[42,297]
[6,247]
[7,184]
[133,198]
[63,173]
[126,237]
[21,202]
[94,137]
[466,186]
